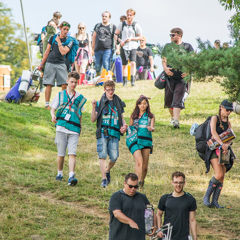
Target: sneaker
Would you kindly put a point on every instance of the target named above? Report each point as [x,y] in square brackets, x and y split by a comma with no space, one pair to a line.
[104,183]
[59,178]
[172,121]
[47,107]
[108,177]
[72,181]
[176,124]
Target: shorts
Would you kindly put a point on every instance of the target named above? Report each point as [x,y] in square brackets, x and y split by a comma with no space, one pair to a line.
[174,96]
[54,71]
[66,141]
[128,55]
[108,146]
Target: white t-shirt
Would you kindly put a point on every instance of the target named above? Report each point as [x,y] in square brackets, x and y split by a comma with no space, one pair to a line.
[128,32]
[55,104]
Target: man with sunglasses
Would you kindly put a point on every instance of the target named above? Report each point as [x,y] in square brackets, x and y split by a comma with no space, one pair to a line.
[103,42]
[55,59]
[110,125]
[179,210]
[127,208]
[175,90]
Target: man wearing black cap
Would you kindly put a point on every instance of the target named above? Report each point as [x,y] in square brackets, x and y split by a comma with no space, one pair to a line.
[175,90]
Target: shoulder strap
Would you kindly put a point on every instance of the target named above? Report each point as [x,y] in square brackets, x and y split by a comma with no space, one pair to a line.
[134,26]
[123,24]
[186,46]
[111,28]
[53,41]
[97,27]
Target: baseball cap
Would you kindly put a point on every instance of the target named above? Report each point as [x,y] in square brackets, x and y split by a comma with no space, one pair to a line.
[226,104]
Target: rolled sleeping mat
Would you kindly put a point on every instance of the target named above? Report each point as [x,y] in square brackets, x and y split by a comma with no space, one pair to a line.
[118,67]
[14,95]
[25,81]
[236,107]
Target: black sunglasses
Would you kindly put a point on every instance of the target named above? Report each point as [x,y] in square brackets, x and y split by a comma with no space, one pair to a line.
[172,35]
[132,186]
[66,25]
[81,28]
[228,110]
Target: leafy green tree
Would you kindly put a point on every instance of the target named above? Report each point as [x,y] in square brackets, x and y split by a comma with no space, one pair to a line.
[13,47]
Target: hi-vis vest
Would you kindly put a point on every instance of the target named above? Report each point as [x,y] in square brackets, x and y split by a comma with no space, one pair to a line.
[138,135]
[110,121]
[73,124]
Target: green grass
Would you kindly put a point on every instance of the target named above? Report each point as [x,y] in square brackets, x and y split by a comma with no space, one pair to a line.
[34,206]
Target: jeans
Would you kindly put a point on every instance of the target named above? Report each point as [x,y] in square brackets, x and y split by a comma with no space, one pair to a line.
[103,58]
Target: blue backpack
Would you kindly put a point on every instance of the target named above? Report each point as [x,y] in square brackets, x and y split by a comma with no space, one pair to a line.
[70,56]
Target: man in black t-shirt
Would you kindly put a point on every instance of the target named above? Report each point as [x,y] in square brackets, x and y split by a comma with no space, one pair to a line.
[127,208]
[179,210]
[55,59]
[144,59]
[103,42]
[175,90]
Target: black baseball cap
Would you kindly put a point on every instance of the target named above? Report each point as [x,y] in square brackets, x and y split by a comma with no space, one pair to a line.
[227,105]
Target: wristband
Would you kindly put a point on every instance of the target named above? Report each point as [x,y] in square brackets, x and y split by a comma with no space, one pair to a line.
[125,125]
[220,146]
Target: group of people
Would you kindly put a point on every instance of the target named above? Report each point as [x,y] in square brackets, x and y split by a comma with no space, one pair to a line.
[127,205]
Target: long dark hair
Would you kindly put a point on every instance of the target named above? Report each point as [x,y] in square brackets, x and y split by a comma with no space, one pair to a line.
[220,119]
[136,111]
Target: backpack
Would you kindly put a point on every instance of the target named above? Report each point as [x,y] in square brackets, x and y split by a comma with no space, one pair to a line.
[70,56]
[133,26]
[203,133]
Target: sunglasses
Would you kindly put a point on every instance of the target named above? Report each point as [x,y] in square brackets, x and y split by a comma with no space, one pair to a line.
[81,28]
[228,110]
[66,25]
[133,186]
[178,183]
[172,35]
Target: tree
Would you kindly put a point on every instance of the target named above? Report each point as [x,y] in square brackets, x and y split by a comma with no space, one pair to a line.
[13,47]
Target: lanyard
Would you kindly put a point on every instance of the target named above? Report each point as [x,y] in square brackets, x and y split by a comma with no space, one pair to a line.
[112,109]
[70,100]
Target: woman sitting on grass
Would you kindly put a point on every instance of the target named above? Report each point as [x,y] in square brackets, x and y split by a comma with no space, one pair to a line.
[219,124]
[139,136]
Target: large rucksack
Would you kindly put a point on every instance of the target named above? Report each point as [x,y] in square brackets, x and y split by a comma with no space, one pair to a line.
[133,26]
[70,56]
[203,134]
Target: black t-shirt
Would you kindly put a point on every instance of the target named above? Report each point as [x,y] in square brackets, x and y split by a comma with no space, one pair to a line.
[143,57]
[132,207]
[55,56]
[176,211]
[104,38]
[183,48]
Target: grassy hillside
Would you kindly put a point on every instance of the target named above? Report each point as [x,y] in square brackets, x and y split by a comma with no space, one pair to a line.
[34,206]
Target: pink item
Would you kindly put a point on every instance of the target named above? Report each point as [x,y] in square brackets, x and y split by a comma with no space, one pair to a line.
[140,69]
[149,76]
[82,77]
[80,54]
[85,82]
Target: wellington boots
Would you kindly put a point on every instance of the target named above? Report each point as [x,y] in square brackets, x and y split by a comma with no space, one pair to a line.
[82,77]
[125,81]
[132,81]
[211,188]
[216,195]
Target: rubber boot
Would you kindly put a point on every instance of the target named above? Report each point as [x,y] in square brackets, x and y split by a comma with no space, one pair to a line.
[124,81]
[82,77]
[132,81]
[211,187]
[216,195]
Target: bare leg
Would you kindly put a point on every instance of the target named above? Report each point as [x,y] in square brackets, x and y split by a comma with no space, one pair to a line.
[133,68]
[138,163]
[176,113]
[145,156]
[110,165]
[83,66]
[125,70]
[102,163]
[60,162]
[77,67]
[171,112]
[48,91]
[219,170]
[72,163]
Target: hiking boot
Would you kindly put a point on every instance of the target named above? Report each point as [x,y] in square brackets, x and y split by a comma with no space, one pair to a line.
[72,181]
[108,177]
[104,183]
[176,124]
[59,178]
[47,107]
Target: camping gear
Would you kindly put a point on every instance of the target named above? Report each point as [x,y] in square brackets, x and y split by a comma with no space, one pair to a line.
[225,137]
[90,74]
[161,80]
[25,81]
[148,216]
[118,67]
[129,72]
[14,95]
[236,107]
[167,232]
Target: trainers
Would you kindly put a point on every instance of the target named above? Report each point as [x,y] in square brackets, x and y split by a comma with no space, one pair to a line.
[59,178]
[72,181]
[176,124]
[47,107]
[108,177]
[172,121]
[104,183]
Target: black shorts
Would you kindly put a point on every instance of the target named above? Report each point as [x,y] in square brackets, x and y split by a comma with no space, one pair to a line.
[128,55]
[174,95]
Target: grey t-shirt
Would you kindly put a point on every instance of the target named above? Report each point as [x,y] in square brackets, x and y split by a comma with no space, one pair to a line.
[128,32]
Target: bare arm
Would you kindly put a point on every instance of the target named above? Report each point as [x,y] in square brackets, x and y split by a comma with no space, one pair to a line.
[94,113]
[131,122]
[45,56]
[137,38]
[193,224]
[124,219]
[151,63]
[54,119]
[159,222]
[94,39]
[152,125]
[123,128]
[166,68]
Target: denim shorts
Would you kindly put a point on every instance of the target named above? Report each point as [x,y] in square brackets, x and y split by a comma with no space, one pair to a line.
[66,141]
[108,146]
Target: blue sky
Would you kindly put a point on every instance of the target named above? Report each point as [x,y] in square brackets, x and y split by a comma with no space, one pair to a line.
[206,19]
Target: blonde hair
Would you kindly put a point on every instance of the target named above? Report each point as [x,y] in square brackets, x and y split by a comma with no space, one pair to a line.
[132,11]
[84,32]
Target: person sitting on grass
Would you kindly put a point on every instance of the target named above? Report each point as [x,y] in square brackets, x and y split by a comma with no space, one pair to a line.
[110,124]
[69,104]
[139,136]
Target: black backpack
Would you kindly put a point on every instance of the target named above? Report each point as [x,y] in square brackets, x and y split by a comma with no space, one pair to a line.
[203,134]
